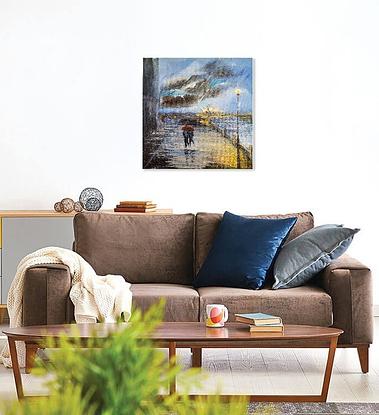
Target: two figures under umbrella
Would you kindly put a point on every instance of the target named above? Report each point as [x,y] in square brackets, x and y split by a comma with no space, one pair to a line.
[188,133]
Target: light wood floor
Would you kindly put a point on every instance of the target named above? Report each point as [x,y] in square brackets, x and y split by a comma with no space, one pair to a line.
[268,371]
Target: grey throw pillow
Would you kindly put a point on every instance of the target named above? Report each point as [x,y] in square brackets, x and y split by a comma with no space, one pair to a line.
[305,256]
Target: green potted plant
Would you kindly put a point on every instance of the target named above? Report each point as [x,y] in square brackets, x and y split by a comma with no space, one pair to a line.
[122,374]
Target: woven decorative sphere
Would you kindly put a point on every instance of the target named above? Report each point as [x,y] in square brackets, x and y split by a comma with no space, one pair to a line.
[78,207]
[91,199]
[58,207]
[67,205]
[93,204]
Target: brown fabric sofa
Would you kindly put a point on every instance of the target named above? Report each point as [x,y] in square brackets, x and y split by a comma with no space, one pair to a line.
[160,255]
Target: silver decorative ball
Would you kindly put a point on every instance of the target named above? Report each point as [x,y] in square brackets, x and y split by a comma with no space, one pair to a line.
[91,199]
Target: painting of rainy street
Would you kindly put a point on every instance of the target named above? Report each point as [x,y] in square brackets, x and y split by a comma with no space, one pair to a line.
[198,113]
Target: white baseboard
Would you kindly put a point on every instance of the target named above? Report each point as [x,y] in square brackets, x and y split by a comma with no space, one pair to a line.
[376,310]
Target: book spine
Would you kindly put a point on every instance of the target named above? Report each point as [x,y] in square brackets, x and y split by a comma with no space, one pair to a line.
[136,206]
[260,323]
[136,202]
[266,330]
[136,210]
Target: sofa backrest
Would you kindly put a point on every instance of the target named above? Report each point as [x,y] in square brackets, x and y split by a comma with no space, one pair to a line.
[141,248]
[206,225]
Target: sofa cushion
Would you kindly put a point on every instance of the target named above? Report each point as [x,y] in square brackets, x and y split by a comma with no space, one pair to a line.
[302,305]
[182,302]
[151,248]
[242,251]
[305,256]
[207,223]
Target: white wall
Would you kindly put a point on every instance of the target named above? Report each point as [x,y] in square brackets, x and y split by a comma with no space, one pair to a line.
[70,104]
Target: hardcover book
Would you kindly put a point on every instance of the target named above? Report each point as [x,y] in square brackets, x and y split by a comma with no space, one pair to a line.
[258,319]
[270,328]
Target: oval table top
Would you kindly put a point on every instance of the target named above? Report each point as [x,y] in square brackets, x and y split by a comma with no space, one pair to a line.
[174,331]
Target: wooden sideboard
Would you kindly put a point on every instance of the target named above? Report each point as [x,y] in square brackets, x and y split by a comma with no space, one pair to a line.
[24,231]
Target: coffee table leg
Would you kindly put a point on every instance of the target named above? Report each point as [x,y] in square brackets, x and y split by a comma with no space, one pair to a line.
[172,362]
[329,368]
[16,368]
[196,356]
[31,351]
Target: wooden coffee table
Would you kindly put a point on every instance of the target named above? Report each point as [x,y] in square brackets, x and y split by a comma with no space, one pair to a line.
[189,335]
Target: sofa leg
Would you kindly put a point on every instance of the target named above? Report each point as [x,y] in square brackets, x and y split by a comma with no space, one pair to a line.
[196,357]
[363,357]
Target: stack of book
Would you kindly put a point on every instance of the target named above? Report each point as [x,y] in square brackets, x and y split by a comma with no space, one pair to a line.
[139,206]
[260,322]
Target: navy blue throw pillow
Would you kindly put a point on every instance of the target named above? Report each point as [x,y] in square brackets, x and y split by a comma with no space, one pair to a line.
[242,251]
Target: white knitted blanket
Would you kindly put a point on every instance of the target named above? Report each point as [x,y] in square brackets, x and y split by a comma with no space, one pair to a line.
[95,298]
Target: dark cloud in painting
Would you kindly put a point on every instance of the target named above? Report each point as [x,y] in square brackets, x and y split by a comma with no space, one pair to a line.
[185,92]
[178,101]
[215,70]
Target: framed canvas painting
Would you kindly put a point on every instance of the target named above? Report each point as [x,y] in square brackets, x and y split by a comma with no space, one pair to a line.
[198,113]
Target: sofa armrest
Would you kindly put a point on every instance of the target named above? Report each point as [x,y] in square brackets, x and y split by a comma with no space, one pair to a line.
[349,283]
[45,295]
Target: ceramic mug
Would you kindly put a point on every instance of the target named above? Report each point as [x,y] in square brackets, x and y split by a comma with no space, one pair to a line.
[216,315]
